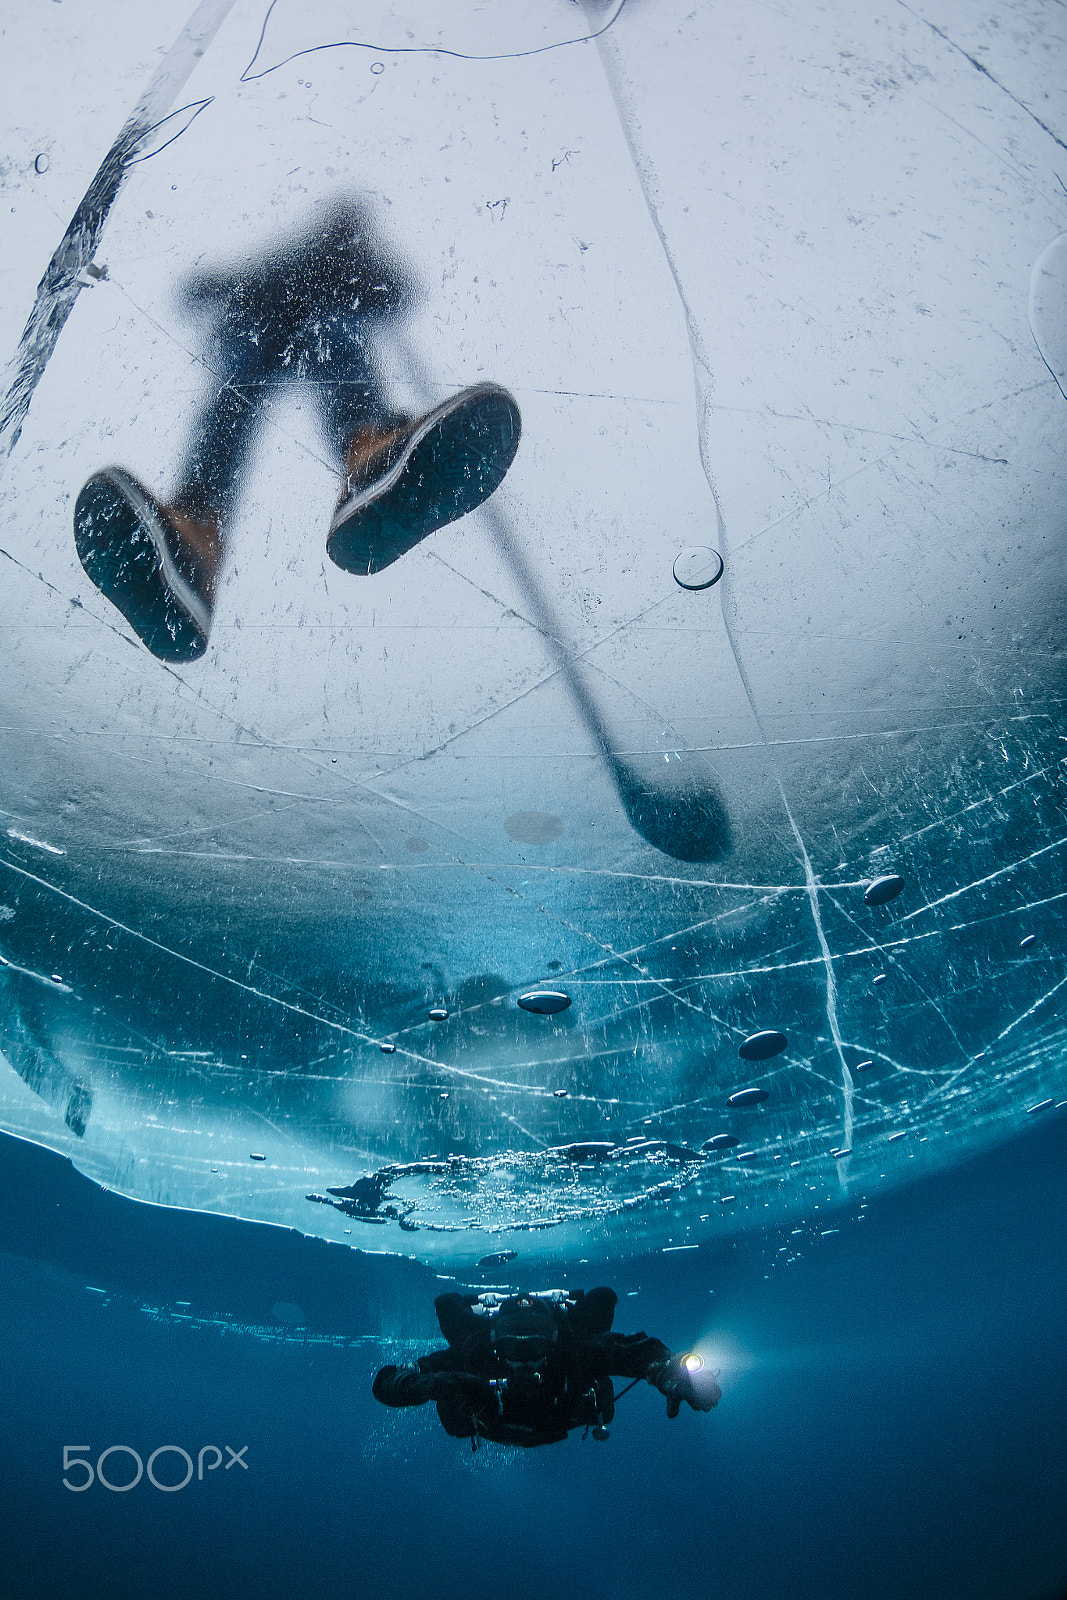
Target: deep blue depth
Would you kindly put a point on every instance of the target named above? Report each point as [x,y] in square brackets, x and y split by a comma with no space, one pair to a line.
[900,1432]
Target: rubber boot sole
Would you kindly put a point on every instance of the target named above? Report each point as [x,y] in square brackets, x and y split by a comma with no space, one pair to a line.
[454,460]
[121,539]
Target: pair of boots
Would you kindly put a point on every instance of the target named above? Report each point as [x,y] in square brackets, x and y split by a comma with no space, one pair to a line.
[159,564]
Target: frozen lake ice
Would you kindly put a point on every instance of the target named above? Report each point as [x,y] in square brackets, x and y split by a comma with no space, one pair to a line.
[794,298]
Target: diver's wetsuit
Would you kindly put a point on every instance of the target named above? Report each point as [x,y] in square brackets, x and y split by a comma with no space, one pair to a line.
[574,1389]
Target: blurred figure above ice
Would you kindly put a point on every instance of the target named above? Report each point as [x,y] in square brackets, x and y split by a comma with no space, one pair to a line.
[300,314]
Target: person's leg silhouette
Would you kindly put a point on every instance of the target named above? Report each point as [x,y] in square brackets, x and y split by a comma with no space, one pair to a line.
[300,315]
[158,563]
[410,477]
[402,477]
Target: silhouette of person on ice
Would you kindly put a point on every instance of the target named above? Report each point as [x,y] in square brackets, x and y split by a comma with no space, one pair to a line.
[302,315]
[528,1368]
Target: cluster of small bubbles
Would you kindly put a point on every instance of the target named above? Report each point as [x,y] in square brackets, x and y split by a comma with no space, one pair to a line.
[585,1156]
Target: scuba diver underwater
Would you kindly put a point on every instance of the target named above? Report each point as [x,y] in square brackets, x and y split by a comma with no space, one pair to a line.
[527,1368]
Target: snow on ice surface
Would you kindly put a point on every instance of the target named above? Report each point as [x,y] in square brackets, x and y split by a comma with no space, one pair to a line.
[787,286]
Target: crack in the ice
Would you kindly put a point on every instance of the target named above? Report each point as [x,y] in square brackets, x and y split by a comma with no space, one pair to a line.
[945,1088]
[1041,269]
[703,391]
[60,286]
[887,949]
[872,466]
[222,977]
[265,420]
[592,394]
[257,740]
[567,658]
[248,76]
[1019,173]
[195,106]
[954,816]
[979,883]
[984,70]
[852,427]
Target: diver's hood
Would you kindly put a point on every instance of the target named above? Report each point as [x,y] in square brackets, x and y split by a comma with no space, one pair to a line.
[525,1333]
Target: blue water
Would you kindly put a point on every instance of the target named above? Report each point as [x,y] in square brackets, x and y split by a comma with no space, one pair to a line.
[892,1424]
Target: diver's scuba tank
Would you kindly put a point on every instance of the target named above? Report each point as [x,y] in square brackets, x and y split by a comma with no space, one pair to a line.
[488,1303]
[528,1334]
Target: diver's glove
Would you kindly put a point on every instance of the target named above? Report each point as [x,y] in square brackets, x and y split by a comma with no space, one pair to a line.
[410,1386]
[672,1378]
[403,1386]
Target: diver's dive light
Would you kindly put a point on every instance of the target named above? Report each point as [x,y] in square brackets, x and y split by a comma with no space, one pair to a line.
[693,1364]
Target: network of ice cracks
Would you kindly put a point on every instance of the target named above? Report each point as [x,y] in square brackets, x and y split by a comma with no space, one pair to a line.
[787,283]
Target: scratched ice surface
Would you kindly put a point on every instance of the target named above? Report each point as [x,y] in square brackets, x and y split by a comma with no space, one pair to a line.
[787,283]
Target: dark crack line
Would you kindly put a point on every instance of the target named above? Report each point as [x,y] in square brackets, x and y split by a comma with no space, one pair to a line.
[879,461]
[851,427]
[248,76]
[195,106]
[1055,378]
[60,286]
[977,65]
[704,388]
[567,658]
[1032,308]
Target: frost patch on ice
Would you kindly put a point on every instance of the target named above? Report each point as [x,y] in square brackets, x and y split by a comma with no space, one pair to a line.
[38,844]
